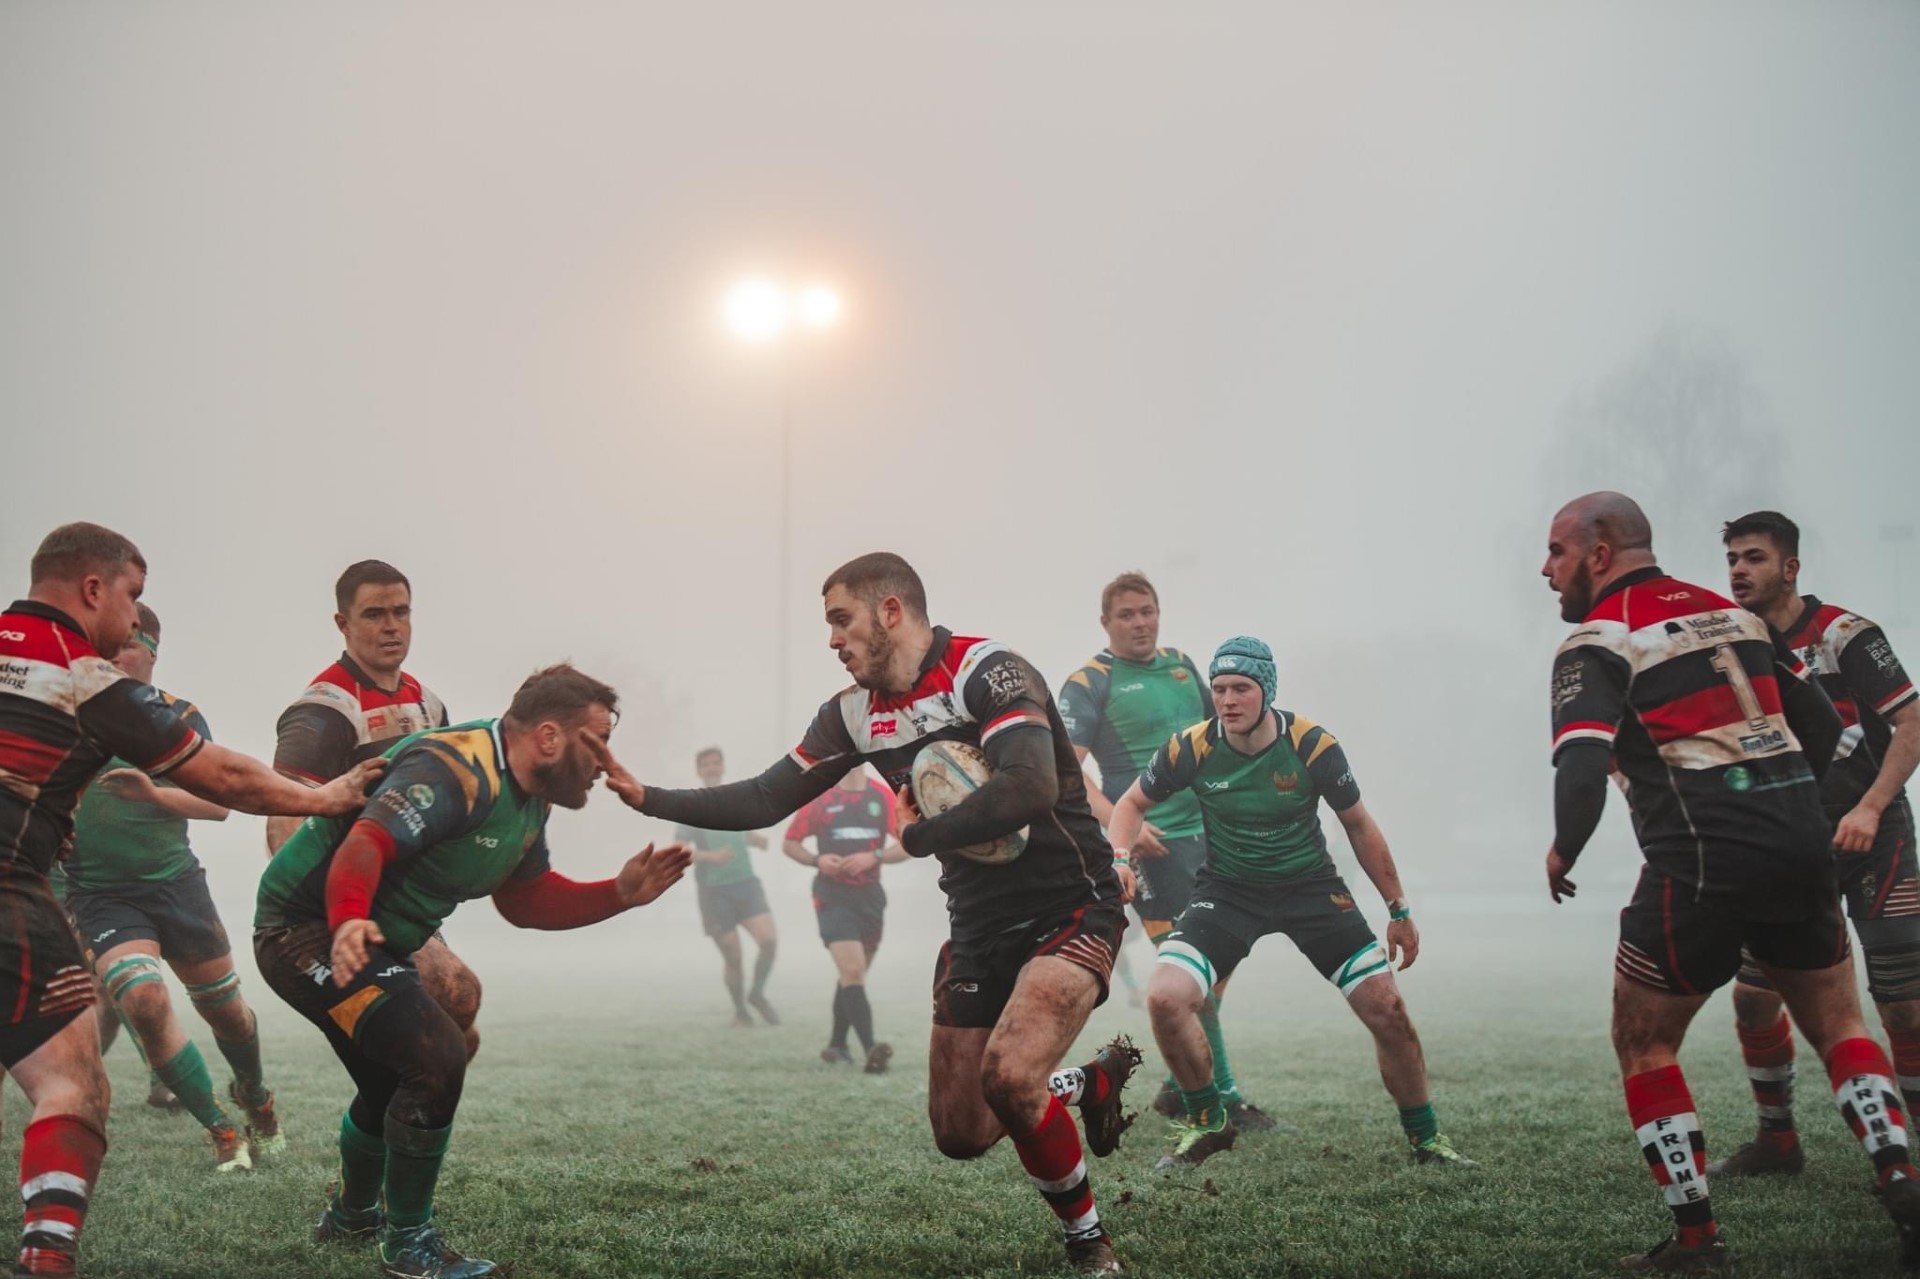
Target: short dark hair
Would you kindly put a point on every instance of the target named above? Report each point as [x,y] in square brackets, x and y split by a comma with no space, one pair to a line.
[875,576]
[366,573]
[149,622]
[560,693]
[1784,532]
[72,551]
[705,751]
[1132,582]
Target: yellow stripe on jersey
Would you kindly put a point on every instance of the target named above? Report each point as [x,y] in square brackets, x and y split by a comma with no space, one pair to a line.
[1080,677]
[469,757]
[1300,730]
[1202,742]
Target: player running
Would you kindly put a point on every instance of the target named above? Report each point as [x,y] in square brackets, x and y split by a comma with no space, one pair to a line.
[732,898]
[1032,940]
[1866,800]
[1718,738]
[356,709]
[65,710]
[850,827]
[138,895]
[1120,707]
[1260,774]
[346,904]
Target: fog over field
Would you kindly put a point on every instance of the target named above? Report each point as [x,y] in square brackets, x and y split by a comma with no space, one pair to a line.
[1315,315]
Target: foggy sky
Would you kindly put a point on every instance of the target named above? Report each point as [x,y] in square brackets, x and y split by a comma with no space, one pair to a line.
[1300,310]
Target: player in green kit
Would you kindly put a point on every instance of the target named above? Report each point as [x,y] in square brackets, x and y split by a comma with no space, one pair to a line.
[1260,774]
[345,904]
[138,895]
[1120,707]
[732,898]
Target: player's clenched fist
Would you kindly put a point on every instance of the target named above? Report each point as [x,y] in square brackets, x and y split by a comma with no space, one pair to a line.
[650,872]
[351,943]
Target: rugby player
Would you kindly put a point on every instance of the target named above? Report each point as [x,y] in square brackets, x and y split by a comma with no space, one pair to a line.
[731,898]
[851,827]
[1865,797]
[1719,738]
[346,904]
[356,709]
[1032,940]
[138,895]
[65,710]
[1120,707]
[1260,774]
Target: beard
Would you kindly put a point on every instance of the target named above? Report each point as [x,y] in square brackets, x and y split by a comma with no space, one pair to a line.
[563,782]
[1576,601]
[873,676]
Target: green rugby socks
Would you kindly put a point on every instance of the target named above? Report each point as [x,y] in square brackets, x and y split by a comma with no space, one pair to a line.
[414,1156]
[1223,1078]
[1203,1106]
[187,1075]
[363,1167]
[1420,1123]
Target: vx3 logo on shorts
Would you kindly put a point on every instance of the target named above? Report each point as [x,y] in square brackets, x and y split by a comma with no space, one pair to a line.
[103,936]
[392,972]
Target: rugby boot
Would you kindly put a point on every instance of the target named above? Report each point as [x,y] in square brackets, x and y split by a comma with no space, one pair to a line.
[836,1055]
[1900,1196]
[339,1224]
[1093,1256]
[1167,1101]
[878,1058]
[1248,1117]
[263,1125]
[1437,1149]
[1193,1143]
[1670,1256]
[1760,1159]
[765,1009]
[230,1152]
[418,1252]
[1101,1120]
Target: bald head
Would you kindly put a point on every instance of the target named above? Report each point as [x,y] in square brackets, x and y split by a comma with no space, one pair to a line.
[1609,518]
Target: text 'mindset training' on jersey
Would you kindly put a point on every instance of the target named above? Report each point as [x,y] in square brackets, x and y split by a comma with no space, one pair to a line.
[1682,684]
[64,712]
[344,718]
[1857,669]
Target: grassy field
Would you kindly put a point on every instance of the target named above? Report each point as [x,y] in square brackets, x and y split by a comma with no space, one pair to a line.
[614,1125]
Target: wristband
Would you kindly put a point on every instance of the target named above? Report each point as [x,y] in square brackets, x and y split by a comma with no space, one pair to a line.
[1398,909]
[1122,856]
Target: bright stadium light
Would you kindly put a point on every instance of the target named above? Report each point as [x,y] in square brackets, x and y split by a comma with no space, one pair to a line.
[819,306]
[757,310]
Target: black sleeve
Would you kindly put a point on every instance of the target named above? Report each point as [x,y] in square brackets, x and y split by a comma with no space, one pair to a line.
[314,742]
[1579,794]
[1008,698]
[131,719]
[1809,714]
[753,804]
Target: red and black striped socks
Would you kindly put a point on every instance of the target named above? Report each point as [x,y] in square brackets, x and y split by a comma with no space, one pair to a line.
[1863,1087]
[59,1162]
[1663,1118]
[1051,1155]
[1769,1057]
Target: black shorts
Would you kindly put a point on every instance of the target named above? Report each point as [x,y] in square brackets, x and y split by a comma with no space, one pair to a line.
[45,980]
[1315,912]
[297,962]
[1673,942]
[1164,885]
[974,977]
[850,913]
[176,913]
[724,907]
[1882,890]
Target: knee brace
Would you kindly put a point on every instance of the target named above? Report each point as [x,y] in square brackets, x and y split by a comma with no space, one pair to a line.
[1369,961]
[130,973]
[1187,958]
[212,994]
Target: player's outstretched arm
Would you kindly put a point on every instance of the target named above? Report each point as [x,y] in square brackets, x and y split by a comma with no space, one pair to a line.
[551,901]
[132,784]
[239,781]
[753,804]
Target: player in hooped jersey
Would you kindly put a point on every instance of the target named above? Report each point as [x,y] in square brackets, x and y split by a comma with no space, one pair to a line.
[1718,738]
[851,827]
[1032,941]
[1873,838]
[65,710]
[356,709]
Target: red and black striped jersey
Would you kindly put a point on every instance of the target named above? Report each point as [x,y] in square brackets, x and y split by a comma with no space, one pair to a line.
[1683,686]
[1860,674]
[344,718]
[64,712]
[973,690]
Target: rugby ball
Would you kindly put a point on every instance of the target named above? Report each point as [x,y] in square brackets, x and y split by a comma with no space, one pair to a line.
[944,773]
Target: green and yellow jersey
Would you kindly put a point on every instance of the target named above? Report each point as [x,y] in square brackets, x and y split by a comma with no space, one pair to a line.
[1262,811]
[460,825]
[125,841]
[1121,711]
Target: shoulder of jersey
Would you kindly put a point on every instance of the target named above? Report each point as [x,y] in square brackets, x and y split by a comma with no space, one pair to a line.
[964,652]
[1309,739]
[65,670]
[1836,627]
[1097,667]
[1195,741]
[332,688]
[178,705]
[469,755]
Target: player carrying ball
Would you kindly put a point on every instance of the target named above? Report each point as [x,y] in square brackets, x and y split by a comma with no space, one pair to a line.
[1033,940]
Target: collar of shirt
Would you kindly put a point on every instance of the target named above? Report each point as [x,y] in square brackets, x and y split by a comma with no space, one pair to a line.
[34,608]
[352,668]
[1625,580]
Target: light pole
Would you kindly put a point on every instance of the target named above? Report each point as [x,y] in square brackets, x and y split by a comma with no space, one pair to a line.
[764,312]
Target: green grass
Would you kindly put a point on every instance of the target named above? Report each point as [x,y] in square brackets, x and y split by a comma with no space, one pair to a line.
[633,1133]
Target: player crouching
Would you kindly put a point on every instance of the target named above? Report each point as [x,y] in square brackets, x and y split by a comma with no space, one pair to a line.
[345,904]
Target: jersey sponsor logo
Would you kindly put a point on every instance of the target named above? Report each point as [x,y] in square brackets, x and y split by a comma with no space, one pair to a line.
[1286,782]
[1712,626]
[1131,688]
[1180,673]
[1216,786]
[396,804]
[1341,901]
[1677,595]
[1762,742]
[420,795]
[376,721]
[883,727]
[487,841]
[18,637]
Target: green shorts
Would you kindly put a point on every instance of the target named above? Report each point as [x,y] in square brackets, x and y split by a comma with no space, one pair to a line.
[1314,911]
